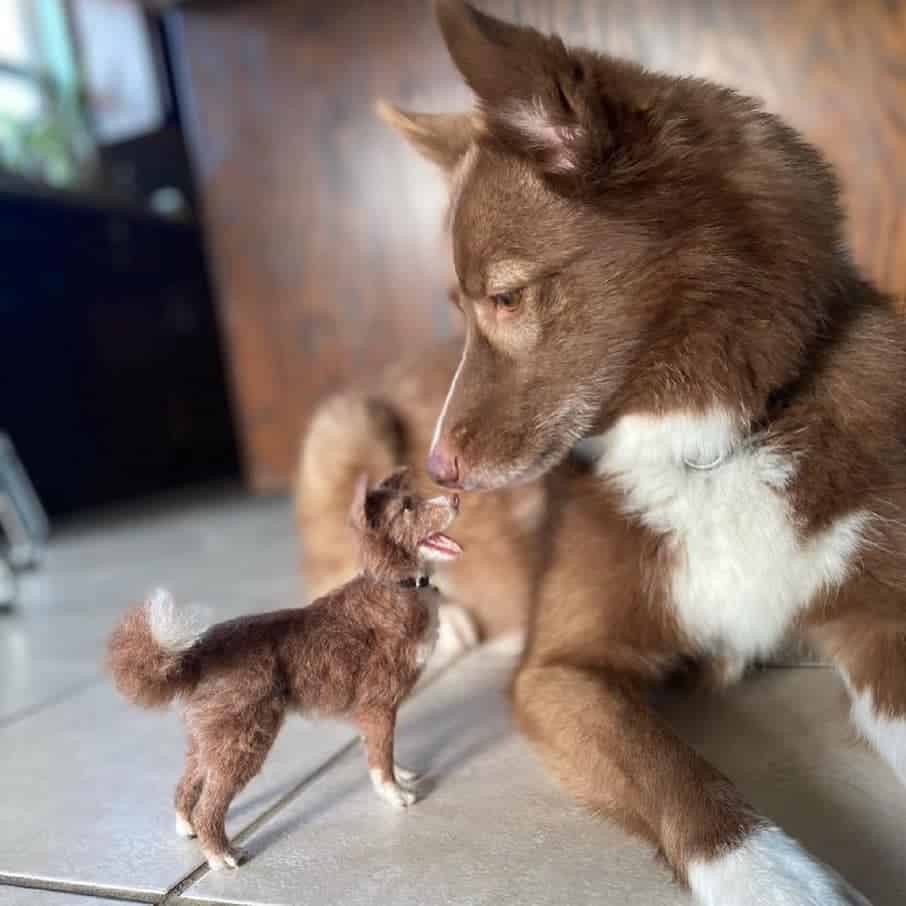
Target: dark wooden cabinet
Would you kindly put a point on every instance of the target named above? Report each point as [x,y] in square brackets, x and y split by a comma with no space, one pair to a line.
[326,231]
[111,370]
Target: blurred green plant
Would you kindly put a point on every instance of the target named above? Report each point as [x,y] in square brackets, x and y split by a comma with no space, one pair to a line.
[56,147]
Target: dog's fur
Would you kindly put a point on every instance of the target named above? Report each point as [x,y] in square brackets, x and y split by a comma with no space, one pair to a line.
[354,653]
[655,267]
[376,428]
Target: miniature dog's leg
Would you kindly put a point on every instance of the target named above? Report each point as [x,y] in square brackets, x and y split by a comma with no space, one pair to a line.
[405,776]
[377,731]
[232,758]
[188,790]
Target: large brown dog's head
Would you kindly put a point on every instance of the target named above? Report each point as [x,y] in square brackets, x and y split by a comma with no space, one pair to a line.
[623,240]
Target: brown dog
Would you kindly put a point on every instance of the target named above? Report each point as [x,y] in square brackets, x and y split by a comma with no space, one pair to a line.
[354,653]
[655,267]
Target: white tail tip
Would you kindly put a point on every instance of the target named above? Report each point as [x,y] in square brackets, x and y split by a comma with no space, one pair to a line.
[175,629]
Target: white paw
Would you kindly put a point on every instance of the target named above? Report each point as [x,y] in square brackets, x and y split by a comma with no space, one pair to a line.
[184,826]
[404,775]
[770,869]
[229,859]
[391,792]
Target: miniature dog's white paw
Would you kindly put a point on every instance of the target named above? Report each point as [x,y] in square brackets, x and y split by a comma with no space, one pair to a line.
[404,775]
[233,858]
[183,826]
[390,791]
[395,795]
[230,858]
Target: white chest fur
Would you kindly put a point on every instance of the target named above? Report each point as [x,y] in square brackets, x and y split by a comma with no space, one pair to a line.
[742,572]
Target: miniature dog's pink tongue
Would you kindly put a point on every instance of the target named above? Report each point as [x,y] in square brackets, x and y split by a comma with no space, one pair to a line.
[443,544]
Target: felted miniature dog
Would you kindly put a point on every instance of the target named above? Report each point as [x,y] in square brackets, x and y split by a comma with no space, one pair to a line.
[354,653]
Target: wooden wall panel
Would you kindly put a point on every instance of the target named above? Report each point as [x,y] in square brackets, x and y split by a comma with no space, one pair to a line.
[326,229]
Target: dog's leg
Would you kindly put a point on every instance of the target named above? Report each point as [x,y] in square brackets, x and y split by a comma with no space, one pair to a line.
[601,638]
[377,728]
[232,756]
[616,756]
[870,653]
[188,790]
[404,776]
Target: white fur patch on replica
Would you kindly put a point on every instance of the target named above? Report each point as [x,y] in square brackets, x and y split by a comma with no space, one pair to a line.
[390,791]
[175,629]
[742,572]
[885,733]
[769,869]
[184,827]
[218,861]
[404,775]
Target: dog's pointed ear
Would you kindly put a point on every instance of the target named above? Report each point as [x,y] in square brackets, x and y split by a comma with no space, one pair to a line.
[396,480]
[498,60]
[357,512]
[441,137]
[532,90]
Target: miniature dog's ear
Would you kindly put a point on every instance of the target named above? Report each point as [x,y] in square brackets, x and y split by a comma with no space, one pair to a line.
[357,515]
[396,480]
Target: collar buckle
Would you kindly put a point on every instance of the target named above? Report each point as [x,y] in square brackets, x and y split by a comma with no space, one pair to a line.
[704,466]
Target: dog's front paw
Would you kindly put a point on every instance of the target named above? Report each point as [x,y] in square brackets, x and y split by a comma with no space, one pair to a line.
[770,869]
[396,796]
[390,791]
[183,826]
[404,775]
[229,858]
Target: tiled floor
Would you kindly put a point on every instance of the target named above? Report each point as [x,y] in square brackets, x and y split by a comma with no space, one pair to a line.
[85,781]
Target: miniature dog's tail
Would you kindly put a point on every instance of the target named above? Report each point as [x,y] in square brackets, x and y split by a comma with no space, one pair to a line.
[149,651]
[349,435]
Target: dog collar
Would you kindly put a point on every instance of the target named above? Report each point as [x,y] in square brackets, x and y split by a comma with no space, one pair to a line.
[414,582]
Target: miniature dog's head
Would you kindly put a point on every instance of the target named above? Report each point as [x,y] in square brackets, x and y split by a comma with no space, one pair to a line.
[398,530]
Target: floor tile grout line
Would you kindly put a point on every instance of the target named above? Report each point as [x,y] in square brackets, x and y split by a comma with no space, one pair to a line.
[83,889]
[63,695]
[174,894]
[191,900]
[257,823]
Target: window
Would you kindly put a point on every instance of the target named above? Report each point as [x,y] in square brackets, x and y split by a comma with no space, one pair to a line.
[20,90]
[119,68]
[74,75]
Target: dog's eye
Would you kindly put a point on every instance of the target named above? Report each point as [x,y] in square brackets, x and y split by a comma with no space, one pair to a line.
[408,505]
[506,301]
